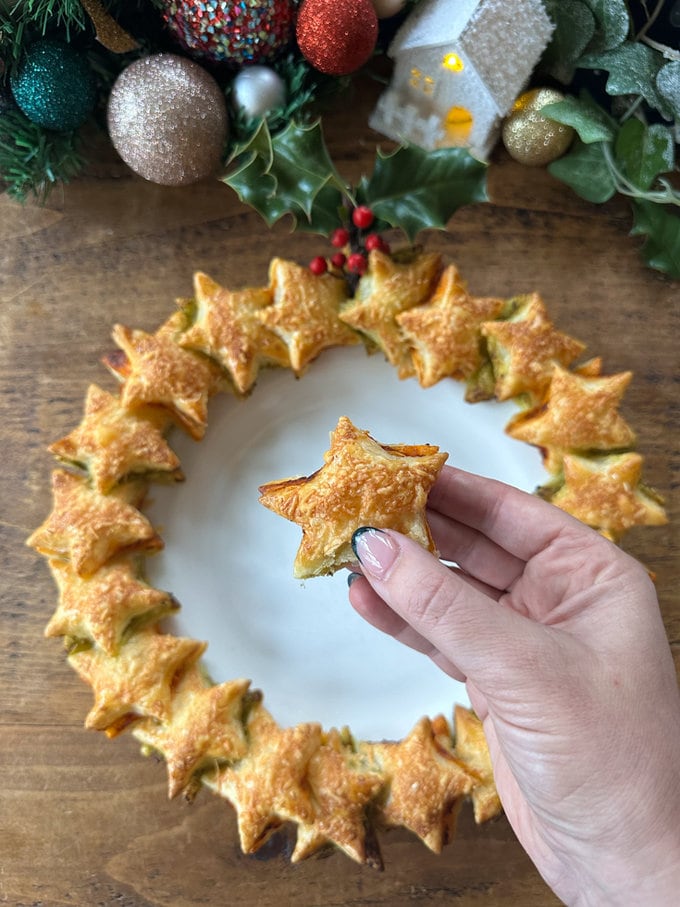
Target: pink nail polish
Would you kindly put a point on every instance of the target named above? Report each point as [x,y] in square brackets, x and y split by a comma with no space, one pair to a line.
[375,550]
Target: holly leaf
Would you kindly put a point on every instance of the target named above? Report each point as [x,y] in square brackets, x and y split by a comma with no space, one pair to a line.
[668,84]
[633,69]
[586,171]
[590,121]
[415,189]
[661,228]
[574,28]
[326,214]
[644,152]
[250,179]
[612,24]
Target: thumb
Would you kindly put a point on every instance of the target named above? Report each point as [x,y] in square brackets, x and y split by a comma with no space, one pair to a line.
[487,641]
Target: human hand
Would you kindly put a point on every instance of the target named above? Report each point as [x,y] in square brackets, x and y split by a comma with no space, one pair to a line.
[558,636]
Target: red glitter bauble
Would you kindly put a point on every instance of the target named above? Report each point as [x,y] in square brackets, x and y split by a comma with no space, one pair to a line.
[225,31]
[337,36]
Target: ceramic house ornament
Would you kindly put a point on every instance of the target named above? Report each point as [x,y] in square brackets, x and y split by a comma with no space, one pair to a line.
[459,65]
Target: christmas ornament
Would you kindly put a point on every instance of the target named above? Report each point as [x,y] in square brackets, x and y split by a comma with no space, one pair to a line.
[167,119]
[223,31]
[532,138]
[257,90]
[384,9]
[337,36]
[54,86]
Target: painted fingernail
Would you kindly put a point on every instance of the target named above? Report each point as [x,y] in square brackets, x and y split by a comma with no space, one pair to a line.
[375,550]
[352,577]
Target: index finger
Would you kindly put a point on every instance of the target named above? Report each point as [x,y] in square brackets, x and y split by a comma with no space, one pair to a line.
[518,522]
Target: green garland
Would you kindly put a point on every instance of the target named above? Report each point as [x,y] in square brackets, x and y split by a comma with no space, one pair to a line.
[623,100]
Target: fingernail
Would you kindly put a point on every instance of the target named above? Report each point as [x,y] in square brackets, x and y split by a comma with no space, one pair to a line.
[352,577]
[375,550]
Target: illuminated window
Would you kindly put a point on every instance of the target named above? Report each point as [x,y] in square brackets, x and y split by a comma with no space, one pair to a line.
[428,85]
[416,75]
[458,123]
[453,63]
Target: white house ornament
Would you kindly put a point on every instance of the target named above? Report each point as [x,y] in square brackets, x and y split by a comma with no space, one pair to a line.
[167,119]
[458,69]
[529,136]
[256,90]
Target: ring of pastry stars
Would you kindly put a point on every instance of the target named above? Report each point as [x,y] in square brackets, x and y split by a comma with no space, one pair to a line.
[419,313]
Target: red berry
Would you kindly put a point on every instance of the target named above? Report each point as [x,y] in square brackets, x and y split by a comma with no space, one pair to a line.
[373,241]
[338,260]
[340,237]
[384,247]
[356,263]
[318,265]
[362,217]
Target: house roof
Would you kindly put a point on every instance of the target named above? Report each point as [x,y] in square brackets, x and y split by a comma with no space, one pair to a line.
[432,24]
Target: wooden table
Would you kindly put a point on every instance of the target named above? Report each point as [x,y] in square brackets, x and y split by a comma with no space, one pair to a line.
[85,821]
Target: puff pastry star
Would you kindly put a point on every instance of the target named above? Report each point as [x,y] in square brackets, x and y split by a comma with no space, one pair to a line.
[579,414]
[157,371]
[605,493]
[426,784]
[102,607]
[206,728]
[362,483]
[473,750]
[524,349]
[342,788]
[444,332]
[87,528]
[269,787]
[387,288]
[137,681]
[227,328]
[305,312]
[113,443]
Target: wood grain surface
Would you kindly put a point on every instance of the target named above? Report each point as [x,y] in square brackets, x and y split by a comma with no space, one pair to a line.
[85,821]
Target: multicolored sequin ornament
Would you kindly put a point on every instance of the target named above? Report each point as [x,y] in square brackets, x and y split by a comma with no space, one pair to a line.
[231,31]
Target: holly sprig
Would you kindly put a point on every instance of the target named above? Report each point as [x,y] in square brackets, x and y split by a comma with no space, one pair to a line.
[626,138]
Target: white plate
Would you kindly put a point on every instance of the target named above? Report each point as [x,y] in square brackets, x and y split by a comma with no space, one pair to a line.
[229,560]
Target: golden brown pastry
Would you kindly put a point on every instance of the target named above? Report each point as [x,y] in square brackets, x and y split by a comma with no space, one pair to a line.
[227,328]
[387,288]
[362,483]
[305,312]
[112,443]
[579,414]
[444,332]
[87,528]
[473,750]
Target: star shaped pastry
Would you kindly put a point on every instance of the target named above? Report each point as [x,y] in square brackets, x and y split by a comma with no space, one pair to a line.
[579,414]
[206,728]
[426,784]
[473,750]
[87,528]
[524,349]
[227,328]
[605,492]
[113,443]
[342,788]
[102,607]
[305,312]
[157,372]
[362,483]
[269,786]
[387,288]
[444,332]
[136,682]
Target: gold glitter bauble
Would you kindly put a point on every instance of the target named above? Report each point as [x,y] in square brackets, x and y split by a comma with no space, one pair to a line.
[167,119]
[532,138]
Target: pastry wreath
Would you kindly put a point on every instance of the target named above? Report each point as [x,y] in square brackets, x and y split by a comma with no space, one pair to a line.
[418,312]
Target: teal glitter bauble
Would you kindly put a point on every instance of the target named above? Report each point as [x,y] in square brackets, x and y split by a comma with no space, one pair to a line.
[54,86]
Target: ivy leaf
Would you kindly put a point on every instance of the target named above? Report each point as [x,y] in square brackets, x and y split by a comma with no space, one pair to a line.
[668,84]
[633,68]
[612,24]
[574,28]
[589,120]
[586,171]
[414,189]
[644,152]
[661,228]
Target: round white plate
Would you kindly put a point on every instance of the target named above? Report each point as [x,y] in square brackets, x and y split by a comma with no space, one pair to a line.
[229,560]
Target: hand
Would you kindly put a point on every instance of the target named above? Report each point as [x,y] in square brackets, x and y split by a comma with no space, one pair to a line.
[558,636]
